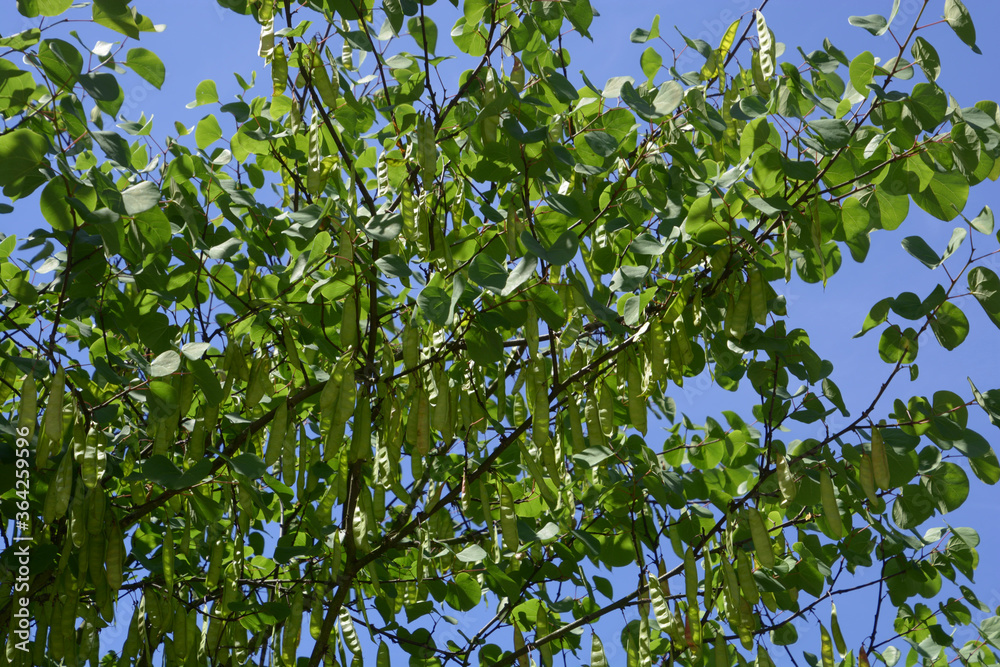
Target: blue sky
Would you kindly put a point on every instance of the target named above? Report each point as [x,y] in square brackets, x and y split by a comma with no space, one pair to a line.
[204,41]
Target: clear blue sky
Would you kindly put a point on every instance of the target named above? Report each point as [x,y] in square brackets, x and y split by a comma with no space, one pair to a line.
[204,41]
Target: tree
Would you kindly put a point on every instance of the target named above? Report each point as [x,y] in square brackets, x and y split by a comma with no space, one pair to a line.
[390,352]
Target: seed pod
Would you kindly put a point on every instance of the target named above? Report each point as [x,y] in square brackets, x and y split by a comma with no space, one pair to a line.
[880,461]
[863,658]
[508,519]
[214,564]
[96,510]
[349,322]
[501,393]
[441,405]
[597,656]
[738,313]
[350,635]
[426,150]
[59,491]
[279,70]
[422,444]
[763,657]
[826,647]
[344,408]
[691,578]
[484,503]
[786,481]
[95,565]
[592,414]
[53,418]
[185,392]
[259,382]
[636,399]
[731,581]
[168,556]
[540,411]
[78,520]
[114,556]
[758,297]
[838,636]
[692,629]
[324,83]
[761,538]
[489,119]
[866,476]
[276,437]
[94,460]
[709,589]
[721,653]
[27,411]
[361,431]
[382,658]
[542,629]
[575,426]
[745,626]
[531,330]
[748,587]
[328,397]
[347,56]
[522,660]
[657,342]
[645,650]
[661,608]
[606,409]
[829,501]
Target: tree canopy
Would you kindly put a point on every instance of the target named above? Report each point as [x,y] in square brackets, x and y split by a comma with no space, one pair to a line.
[387,345]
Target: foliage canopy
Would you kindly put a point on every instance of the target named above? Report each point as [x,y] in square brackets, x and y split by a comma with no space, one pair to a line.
[381,349]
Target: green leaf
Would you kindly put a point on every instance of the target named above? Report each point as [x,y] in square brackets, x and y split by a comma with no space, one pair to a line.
[146,64]
[948,485]
[33,8]
[204,93]
[862,70]
[833,131]
[165,363]
[424,31]
[986,468]
[435,304]
[929,105]
[141,197]
[650,62]
[925,56]
[488,273]
[945,196]
[873,23]
[22,290]
[472,554]
[989,401]
[116,14]
[960,21]
[207,132]
[641,35]
[949,325]
[918,248]
[521,273]
[115,147]
[22,40]
[22,152]
[385,226]
[912,507]
[464,593]
[601,143]
[897,346]
[985,286]
[983,222]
